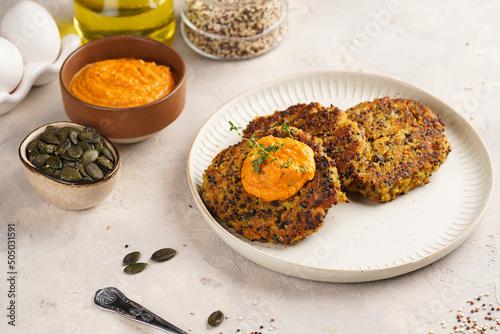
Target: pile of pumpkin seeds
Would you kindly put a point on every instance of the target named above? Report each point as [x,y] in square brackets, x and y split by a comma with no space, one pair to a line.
[134,267]
[70,154]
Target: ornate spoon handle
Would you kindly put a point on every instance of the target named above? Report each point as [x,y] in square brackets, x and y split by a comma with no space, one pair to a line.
[112,299]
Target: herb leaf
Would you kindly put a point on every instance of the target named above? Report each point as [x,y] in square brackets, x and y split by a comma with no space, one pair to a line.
[263,152]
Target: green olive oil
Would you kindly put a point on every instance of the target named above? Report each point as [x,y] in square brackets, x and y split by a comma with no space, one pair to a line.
[95,19]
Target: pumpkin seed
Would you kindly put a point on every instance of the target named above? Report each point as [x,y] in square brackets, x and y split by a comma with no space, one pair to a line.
[62,147]
[32,156]
[107,153]
[99,146]
[69,174]
[48,170]
[64,133]
[163,255]
[65,156]
[46,148]
[94,171]
[83,171]
[85,146]
[89,156]
[135,268]
[89,136]
[54,162]
[131,258]
[32,146]
[52,130]
[105,162]
[216,318]
[74,151]
[49,138]
[40,160]
[73,135]
[75,166]
[68,163]
[88,128]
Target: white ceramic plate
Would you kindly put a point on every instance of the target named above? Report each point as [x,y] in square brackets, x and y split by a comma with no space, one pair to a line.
[361,240]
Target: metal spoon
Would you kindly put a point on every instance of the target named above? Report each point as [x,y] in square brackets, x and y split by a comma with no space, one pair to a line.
[112,299]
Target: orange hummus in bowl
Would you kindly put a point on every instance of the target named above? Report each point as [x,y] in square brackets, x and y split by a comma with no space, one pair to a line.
[135,87]
[122,83]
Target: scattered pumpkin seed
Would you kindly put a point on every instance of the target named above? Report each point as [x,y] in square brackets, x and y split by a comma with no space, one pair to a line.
[135,268]
[131,258]
[216,318]
[163,255]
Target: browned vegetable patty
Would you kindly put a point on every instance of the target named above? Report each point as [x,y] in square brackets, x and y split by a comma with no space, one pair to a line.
[343,139]
[408,144]
[283,222]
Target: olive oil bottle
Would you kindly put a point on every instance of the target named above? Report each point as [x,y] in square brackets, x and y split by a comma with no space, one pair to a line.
[95,19]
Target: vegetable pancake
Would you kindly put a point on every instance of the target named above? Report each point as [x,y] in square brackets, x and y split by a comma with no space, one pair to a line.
[408,144]
[278,221]
[343,140]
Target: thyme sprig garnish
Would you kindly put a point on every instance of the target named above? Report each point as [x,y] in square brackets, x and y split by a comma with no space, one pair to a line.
[264,153]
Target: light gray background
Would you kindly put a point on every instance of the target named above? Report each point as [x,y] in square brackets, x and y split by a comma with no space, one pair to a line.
[449,49]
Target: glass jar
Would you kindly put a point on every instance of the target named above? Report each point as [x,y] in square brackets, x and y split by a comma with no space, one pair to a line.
[95,19]
[233,29]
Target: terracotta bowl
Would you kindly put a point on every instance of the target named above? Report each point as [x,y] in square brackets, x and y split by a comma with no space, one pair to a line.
[125,125]
[63,194]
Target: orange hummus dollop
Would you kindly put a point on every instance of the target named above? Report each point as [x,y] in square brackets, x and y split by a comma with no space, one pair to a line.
[283,173]
[122,83]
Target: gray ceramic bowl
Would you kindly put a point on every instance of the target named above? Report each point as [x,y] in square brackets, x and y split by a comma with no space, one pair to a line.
[63,194]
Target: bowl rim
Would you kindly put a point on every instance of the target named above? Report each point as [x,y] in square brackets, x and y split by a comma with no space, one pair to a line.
[179,83]
[32,135]
[239,4]
[277,25]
